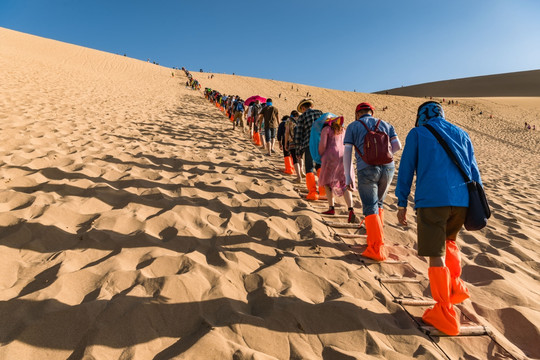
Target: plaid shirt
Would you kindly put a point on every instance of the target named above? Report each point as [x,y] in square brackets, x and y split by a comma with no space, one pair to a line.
[302,131]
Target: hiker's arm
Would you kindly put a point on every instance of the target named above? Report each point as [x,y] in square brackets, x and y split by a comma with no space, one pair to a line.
[396,144]
[407,168]
[348,167]
[324,140]
[298,135]
[287,136]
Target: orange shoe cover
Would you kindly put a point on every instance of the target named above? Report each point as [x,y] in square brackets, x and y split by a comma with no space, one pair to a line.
[289,168]
[458,290]
[442,316]
[381,215]
[257,139]
[311,186]
[375,242]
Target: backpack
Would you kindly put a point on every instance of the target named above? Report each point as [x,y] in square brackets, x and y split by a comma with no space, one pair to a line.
[377,148]
[255,110]
[239,106]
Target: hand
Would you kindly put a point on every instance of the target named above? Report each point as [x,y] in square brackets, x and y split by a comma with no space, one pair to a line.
[402,216]
[350,187]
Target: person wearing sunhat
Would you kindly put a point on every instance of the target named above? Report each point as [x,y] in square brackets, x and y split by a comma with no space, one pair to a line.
[332,175]
[441,201]
[302,133]
[373,179]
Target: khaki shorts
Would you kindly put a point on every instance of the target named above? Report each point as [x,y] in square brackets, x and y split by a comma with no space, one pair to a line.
[435,226]
[239,118]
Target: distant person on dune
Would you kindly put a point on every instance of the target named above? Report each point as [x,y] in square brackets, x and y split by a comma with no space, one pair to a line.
[441,202]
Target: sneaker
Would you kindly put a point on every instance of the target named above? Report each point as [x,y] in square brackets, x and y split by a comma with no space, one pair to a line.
[329,212]
[352,217]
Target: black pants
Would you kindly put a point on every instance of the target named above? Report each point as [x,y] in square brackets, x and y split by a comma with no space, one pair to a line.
[308,162]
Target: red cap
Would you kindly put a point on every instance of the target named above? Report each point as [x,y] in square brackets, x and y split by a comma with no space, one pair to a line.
[364,106]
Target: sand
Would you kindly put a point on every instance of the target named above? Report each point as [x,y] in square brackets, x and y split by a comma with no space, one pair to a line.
[136,225]
[515,84]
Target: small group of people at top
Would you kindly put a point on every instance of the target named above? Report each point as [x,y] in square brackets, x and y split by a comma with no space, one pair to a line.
[441,197]
[529,126]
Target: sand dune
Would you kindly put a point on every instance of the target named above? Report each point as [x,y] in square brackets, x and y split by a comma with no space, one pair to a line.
[135,224]
[516,84]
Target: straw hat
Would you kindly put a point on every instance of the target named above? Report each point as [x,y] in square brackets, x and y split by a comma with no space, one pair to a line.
[339,119]
[302,103]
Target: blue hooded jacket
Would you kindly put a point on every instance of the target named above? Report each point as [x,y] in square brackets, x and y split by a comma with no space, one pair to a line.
[438,180]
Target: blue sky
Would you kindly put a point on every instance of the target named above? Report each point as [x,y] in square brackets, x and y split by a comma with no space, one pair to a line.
[339,44]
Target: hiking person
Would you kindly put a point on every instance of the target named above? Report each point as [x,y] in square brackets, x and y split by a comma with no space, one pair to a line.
[302,133]
[332,175]
[260,124]
[238,109]
[441,201]
[289,169]
[249,119]
[255,109]
[269,114]
[375,170]
[289,144]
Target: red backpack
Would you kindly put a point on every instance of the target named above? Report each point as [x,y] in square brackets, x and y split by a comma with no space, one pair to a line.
[377,148]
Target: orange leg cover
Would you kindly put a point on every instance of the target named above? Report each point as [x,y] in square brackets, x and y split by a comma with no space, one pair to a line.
[312,187]
[375,238]
[458,290]
[442,316]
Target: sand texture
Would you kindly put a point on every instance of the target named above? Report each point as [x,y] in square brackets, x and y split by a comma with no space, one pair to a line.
[134,224]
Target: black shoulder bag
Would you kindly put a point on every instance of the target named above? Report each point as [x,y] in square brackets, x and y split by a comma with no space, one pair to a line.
[479,211]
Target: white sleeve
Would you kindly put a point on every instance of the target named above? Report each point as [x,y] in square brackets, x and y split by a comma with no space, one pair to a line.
[396,144]
[347,164]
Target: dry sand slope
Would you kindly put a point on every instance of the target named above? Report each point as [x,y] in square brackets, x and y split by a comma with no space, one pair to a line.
[134,226]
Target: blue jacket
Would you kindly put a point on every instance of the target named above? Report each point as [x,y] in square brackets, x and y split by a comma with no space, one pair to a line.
[438,180]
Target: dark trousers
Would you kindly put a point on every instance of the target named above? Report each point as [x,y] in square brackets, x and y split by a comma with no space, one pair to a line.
[308,162]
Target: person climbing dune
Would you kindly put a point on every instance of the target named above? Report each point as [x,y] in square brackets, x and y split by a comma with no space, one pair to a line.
[441,201]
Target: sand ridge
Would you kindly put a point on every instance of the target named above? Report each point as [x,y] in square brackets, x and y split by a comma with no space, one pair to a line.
[135,225]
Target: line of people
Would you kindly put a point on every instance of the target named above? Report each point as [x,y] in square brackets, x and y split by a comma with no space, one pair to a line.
[441,198]
[191,82]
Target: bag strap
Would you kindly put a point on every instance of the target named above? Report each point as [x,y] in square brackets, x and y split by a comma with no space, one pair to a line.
[361,122]
[445,146]
[368,129]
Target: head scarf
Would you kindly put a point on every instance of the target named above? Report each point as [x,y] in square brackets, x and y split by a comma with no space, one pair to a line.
[427,111]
